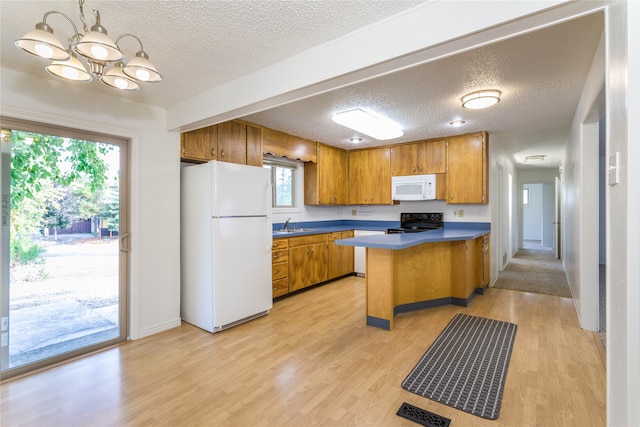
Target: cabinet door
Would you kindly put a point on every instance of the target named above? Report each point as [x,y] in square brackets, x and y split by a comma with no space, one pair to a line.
[298,267]
[380,176]
[404,160]
[332,176]
[199,144]
[340,257]
[370,177]
[318,263]
[435,157]
[232,142]
[467,169]
[254,146]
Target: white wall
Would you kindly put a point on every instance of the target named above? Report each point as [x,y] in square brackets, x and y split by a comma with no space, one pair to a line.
[580,203]
[503,207]
[623,214]
[154,301]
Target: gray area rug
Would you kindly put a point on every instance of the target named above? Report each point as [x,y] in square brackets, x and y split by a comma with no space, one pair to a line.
[466,366]
[537,271]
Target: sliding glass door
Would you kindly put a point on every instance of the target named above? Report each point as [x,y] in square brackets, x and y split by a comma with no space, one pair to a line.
[64,244]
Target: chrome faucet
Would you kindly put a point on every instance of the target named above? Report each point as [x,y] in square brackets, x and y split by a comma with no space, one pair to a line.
[286,224]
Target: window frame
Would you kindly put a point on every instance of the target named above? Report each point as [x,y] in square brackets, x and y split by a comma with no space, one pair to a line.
[273,163]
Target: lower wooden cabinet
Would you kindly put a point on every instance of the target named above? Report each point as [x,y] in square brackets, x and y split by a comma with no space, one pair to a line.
[340,257]
[303,261]
[307,261]
[280,267]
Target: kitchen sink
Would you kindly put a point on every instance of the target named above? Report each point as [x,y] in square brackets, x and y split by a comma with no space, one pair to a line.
[287,231]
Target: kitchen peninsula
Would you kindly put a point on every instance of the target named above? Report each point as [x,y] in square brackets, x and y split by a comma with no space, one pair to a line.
[408,272]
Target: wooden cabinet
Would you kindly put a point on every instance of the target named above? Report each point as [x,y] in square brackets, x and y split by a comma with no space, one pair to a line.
[199,145]
[419,158]
[280,267]
[307,261]
[370,177]
[467,164]
[340,257]
[325,182]
[483,262]
[233,142]
[284,145]
[254,146]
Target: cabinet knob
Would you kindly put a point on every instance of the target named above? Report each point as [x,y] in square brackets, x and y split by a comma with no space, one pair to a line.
[276,256]
[221,153]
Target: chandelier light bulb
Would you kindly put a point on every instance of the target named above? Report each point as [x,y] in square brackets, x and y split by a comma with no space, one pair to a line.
[43,50]
[99,52]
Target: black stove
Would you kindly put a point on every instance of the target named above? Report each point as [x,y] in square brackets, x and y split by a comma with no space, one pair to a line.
[418,223]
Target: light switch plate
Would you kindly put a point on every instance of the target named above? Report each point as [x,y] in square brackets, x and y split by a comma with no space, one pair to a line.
[614,169]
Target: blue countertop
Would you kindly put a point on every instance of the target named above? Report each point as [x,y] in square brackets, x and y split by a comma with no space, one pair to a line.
[407,240]
[452,231]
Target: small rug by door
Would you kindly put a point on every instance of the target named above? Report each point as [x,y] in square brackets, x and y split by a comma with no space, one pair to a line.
[466,366]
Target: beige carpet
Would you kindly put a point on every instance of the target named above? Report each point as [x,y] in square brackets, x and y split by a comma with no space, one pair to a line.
[537,271]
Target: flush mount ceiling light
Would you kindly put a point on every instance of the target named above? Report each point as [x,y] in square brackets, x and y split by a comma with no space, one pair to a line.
[95,47]
[355,139]
[536,158]
[457,123]
[367,123]
[481,99]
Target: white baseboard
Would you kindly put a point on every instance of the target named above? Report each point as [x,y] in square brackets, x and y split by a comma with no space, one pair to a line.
[159,328]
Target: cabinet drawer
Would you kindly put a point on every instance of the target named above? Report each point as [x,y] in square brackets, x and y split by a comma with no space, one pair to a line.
[281,255]
[307,240]
[280,244]
[280,287]
[279,270]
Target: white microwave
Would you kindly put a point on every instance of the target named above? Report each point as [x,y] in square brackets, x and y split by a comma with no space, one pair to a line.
[413,187]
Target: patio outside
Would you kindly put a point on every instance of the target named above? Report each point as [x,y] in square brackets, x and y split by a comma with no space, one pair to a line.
[76,305]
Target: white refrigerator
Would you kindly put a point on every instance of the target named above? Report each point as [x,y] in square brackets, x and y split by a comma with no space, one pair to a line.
[225,250]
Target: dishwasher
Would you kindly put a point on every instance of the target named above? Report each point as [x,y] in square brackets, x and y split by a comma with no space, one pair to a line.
[360,253]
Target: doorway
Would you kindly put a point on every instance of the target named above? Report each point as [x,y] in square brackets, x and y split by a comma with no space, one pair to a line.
[64,244]
[538,203]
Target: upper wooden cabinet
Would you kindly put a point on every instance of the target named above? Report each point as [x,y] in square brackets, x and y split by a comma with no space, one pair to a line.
[233,142]
[419,158]
[325,182]
[370,177]
[284,145]
[467,162]
[199,145]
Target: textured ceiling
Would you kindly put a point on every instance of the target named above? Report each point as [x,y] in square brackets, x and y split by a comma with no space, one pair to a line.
[199,45]
[541,76]
[196,45]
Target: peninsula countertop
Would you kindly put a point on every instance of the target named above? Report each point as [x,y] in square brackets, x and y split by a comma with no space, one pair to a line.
[450,232]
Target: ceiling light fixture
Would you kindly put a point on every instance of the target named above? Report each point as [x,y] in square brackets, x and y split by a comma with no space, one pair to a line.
[481,99]
[96,47]
[355,139]
[536,158]
[368,123]
[457,123]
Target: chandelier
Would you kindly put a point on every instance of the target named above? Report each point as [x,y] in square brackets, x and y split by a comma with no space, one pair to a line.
[96,47]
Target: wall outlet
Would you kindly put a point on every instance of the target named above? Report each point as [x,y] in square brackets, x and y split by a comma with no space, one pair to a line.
[5,339]
[5,323]
[460,213]
[354,212]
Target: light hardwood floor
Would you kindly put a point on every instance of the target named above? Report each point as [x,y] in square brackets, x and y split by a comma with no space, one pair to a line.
[312,361]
